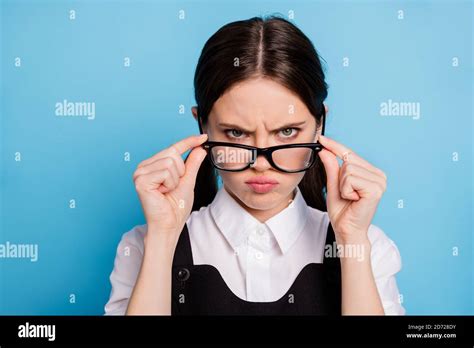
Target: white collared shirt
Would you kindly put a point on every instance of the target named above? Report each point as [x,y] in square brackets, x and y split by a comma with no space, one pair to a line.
[258,261]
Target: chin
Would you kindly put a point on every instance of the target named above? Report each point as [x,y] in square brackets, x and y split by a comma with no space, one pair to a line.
[260,201]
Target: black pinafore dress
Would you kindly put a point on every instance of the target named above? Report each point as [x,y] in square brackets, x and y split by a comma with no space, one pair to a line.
[201,290]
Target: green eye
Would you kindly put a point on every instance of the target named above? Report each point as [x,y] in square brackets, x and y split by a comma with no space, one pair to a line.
[287,132]
[234,133]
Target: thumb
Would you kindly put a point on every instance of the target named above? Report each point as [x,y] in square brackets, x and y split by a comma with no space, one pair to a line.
[192,165]
[332,174]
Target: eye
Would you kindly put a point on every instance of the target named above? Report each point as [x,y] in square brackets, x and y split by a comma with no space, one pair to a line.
[233,133]
[289,132]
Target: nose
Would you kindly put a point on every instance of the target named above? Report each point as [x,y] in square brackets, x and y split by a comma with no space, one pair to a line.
[261,164]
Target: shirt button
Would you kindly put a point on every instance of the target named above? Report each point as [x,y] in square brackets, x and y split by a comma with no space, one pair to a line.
[183,274]
[258,255]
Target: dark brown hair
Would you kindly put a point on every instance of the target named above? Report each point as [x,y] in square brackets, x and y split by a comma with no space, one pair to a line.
[270,47]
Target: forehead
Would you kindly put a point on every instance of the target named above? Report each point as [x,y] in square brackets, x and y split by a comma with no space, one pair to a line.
[259,100]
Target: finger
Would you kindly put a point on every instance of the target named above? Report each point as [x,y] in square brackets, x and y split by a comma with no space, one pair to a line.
[161,163]
[186,144]
[339,150]
[154,180]
[333,146]
[354,187]
[178,148]
[357,170]
[175,176]
[193,163]
[169,184]
[331,167]
[168,188]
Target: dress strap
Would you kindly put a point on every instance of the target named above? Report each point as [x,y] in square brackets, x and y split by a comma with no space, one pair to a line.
[183,254]
[332,273]
[332,259]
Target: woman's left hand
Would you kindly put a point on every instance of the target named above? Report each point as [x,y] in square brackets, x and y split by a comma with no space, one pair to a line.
[353,191]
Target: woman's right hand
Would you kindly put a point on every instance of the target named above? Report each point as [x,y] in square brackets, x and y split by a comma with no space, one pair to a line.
[165,185]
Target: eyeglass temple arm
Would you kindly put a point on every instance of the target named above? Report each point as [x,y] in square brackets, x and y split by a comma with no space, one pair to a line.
[199,123]
[323,116]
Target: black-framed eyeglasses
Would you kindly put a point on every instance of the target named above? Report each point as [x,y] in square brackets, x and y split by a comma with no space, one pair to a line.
[288,158]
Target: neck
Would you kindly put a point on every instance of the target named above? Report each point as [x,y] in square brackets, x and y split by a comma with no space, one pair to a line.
[264,215]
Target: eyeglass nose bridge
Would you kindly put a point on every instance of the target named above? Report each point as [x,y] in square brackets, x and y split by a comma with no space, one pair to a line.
[265,152]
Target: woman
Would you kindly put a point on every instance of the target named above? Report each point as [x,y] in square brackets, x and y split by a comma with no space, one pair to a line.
[273,239]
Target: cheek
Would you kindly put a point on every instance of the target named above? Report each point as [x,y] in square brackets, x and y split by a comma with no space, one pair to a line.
[234,181]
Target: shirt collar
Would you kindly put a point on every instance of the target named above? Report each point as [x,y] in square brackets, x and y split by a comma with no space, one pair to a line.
[235,223]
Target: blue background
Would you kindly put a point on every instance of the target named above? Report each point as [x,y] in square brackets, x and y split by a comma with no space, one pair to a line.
[137,111]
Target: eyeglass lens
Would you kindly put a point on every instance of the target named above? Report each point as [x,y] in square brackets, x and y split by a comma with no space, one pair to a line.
[234,158]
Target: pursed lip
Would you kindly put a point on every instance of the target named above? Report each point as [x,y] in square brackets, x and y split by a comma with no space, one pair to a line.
[261,180]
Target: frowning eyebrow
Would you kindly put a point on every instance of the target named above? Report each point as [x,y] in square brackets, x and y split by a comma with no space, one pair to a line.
[289,125]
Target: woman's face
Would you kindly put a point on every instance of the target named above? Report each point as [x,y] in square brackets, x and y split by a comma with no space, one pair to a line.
[262,113]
